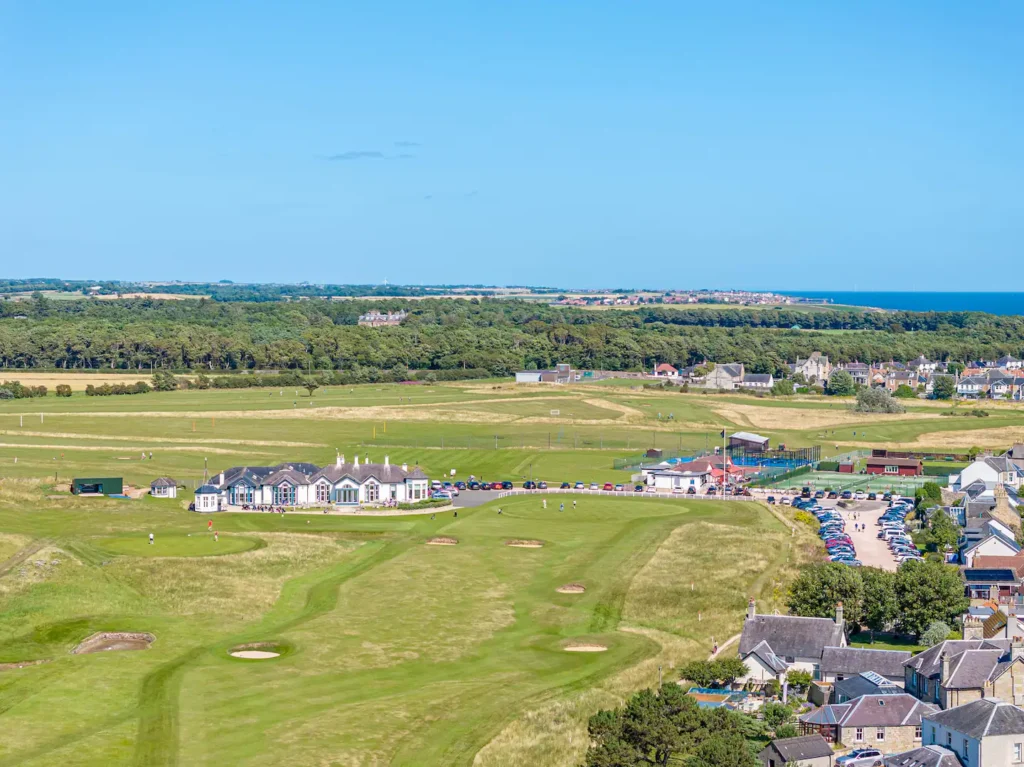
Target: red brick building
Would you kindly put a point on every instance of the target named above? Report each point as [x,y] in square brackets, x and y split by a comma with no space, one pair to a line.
[901,467]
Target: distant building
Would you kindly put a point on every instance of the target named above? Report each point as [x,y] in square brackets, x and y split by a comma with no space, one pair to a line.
[376,319]
[207,499]
[815,369]
[666,370]
[748,441]
[164,487]
[727,376]
[97,485]
[802,751]
[757,381]
[902,467]
[562,374]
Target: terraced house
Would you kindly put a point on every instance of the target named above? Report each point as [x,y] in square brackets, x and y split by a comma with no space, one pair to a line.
[955,672]
[305,484]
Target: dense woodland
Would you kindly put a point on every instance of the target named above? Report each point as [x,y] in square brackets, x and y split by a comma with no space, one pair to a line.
[497,335]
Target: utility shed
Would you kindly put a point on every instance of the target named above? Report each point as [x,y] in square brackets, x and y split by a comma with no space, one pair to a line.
[97,485]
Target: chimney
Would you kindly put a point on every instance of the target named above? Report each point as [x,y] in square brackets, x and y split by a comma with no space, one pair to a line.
[356,464]
[973,628]
[751,609]
[387,461]
[944,672]
[405,466]
[1016,648]
[220,478]
[839,614]
[340,459]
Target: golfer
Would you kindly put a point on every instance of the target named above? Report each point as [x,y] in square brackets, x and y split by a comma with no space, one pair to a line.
[151,539]
[574,503]
[561,507]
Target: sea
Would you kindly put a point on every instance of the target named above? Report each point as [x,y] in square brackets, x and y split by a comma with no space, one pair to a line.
[993,303]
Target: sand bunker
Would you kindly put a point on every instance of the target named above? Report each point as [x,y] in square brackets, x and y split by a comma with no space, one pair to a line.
[113,641]
[525,544]
[442,541]
[256,651]
[585,648]
[571,588]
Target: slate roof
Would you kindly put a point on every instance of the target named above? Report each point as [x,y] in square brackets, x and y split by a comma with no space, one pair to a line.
[764,652]
[987,716]
[903,710]
[790,635]
[855,686]
[827,715]
[757,378]
[384,474]
[163,482]
[925,756]
[207,490]
[802,747]
[852,660]
[971,669]
[1000,463]
[733,369]
[928,663]
[300,473]
[992,561]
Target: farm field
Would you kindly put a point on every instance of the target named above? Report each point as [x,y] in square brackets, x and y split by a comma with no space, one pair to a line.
[392,651]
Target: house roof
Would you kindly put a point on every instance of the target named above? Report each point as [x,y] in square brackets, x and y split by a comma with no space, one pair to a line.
[865,684]
[971,669]
[928,663]
[827,715]
[853,660]
[383,473]
[664,367]
[734,369]
[1000,463]
[207,490]
[757,378]
[994,624]
[991,561]
[163,482]
[748,436]
[763,651]
[924,756]
[901,710]
[980,718]
[791,636]
[802,747]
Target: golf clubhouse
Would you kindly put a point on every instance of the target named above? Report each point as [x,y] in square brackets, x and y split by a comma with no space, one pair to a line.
[304,484]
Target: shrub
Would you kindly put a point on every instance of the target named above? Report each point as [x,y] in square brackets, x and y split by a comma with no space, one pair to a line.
[936,632]
[877,401]
[63,390]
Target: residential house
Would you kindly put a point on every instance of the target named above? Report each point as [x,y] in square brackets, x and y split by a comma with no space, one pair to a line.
[725,376]
[897,378]
[994,546]
[757,381]
[771,645]
[865,683]
[924,756]
[989,469]
[983,733]
[885,722]
[859,371]
[304,484]
[958,671]
[163,487]
[931,378]
[972,387]
[1005,387]
[815,369]
[839,663]
[802,751]
[923,365]
[1009,362]
[996,584]
[664,370]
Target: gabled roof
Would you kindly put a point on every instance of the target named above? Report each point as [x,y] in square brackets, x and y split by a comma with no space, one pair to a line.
[791,636]
[383,473]
[903,710]
[928,663]
[854,660]
[971,669]
[287,475]
[163,482]
[924,756]
[803,747]
[980,718]
[757,378]
[763,652]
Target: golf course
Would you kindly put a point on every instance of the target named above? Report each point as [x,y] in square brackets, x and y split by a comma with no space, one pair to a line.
[313,639]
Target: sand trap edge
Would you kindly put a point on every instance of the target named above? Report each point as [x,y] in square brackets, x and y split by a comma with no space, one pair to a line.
[585,648]
[84,647]
[517,544]
[442,541]
[571,588]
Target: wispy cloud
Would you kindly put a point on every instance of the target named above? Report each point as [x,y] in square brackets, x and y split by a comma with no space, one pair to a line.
[358,154]
[408,144]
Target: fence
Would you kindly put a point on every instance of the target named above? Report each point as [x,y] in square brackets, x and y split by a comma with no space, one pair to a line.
[627,494]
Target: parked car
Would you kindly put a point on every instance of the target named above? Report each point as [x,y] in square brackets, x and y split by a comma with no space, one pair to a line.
[607,486]
[593,486]
[580,486]
[543,485]
[638,488]
[805,493]
[691,490]
[711,490]
[474,485]
[440,494]
[506,485]
[565,486]
[819,494]
[832,494]
[872,496]
[771,499]
[461,485]
[529,485]
[620,487]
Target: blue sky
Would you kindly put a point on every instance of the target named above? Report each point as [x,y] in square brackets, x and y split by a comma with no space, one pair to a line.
[591,144]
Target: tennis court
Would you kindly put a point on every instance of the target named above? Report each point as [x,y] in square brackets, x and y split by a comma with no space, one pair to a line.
[869,483]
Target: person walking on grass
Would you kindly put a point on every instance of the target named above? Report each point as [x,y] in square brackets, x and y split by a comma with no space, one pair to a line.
[545,503]
[574,504]
[216,537]
[209,525]
[561,507]
[151,539]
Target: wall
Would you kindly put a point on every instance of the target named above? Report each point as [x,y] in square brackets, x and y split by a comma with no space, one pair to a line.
[896,739]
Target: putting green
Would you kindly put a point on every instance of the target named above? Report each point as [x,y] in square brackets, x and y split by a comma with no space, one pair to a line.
[178,545]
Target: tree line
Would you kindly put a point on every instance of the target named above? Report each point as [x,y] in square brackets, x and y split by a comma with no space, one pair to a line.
[494,335]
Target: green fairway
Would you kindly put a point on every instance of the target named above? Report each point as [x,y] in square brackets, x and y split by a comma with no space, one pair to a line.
[199,544]
[398,652]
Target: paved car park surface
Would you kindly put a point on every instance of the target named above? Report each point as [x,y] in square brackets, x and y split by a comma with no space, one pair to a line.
[872,551]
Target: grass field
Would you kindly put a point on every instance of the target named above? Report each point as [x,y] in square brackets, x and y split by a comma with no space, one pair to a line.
[398,652]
